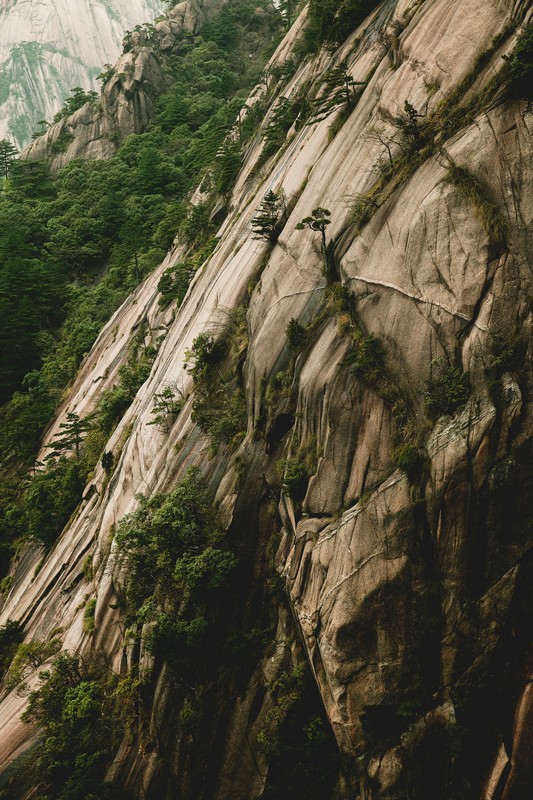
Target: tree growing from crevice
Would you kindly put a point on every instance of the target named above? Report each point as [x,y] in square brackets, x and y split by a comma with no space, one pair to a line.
[340,86]
[77,99]
[266,223]
[70,436]
[317,222]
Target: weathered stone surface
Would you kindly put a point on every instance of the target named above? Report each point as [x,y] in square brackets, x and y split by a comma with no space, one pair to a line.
[410,596]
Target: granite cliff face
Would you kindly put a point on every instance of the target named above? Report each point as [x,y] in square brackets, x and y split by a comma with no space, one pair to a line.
[49,46]
[406,554]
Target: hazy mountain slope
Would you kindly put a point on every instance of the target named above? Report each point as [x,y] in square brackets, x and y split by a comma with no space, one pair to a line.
[128,93]
[49,46]
[406,553]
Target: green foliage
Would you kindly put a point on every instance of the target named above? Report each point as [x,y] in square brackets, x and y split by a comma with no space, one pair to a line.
[11,635]
[281,121]
[337,93]
[297,739]
[286,691]
[266,223]
[70,436]
[294,477]
[77,99]
[175,562]
[163,529]
[330,22]
[8,152]
[413,132]
[62,143]
[115,402]
[411,460]
[75,709]
[366,357]
[174,283]
[88,616]
[28,657]
[50,498]
[517,74]
[219,405]
[487,211]
[297,335]
[204,572]
[196,227]
[317,222]
[447,389]
[167,406]
[363,208]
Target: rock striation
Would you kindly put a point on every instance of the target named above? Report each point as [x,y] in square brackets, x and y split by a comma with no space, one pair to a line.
[407,561]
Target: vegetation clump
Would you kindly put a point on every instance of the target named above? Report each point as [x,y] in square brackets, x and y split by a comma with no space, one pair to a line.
[28,656]
[294,477]
[219,405]
[297,336]
[167,405]
[447,389]
[77,708]
[176,561]
[410,459]
[330,22]
[88,616]
[78,98]
[517,73]
[488,212]
[266,223]
[11,635]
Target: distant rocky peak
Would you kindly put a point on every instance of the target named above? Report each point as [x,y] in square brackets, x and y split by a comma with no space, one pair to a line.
[47,47]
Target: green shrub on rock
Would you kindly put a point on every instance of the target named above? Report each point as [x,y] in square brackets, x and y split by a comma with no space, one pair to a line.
[447,390]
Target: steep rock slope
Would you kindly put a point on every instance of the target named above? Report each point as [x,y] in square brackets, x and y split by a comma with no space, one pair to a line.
[406,557]
[50,46]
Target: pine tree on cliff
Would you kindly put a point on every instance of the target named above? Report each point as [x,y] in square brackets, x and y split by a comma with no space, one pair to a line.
[317,222]
[71,435]
[265,224]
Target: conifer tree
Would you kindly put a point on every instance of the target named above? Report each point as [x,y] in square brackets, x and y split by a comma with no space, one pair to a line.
[8,153]
[317,222]
[70,436]
[265,224]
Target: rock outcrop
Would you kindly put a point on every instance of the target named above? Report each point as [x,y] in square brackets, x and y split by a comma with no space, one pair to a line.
[407,562]
[47,47]
[129,91]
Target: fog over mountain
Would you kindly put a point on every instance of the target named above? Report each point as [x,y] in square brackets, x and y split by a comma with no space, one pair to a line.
[49,46]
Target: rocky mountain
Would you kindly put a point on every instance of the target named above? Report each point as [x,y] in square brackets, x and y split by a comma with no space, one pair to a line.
[375,336]
[47,47]
[128,94]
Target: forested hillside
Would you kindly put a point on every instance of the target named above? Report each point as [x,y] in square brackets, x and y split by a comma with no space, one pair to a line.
[73,246]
